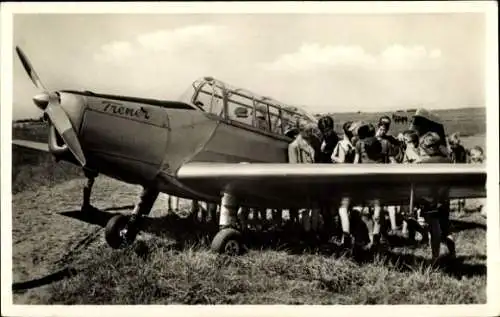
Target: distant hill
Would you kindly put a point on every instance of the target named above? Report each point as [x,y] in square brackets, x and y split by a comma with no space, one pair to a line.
[466,121]
[28,120]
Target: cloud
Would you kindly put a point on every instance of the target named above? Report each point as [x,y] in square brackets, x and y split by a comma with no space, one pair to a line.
[173,41]
[114,50]
[313,56]
[182,37]
[435,53]
[407,57]
[316,57]
[162,63]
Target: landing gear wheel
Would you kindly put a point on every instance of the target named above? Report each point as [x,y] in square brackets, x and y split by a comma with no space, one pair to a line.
[117,232]
[228,241]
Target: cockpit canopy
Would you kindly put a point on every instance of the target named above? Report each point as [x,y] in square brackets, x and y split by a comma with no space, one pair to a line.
[245,107]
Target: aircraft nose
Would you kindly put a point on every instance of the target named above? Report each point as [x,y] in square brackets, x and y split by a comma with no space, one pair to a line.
[74,106]
[41,101]
[65,136]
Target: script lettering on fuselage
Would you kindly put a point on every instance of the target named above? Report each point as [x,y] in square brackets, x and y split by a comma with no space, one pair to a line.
[120,109]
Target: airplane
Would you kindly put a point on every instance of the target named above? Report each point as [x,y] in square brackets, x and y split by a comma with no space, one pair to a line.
[222,145]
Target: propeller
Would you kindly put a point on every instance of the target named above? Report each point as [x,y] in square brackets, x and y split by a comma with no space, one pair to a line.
[50,103]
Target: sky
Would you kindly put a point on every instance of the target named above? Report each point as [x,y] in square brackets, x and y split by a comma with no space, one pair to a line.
[322,62]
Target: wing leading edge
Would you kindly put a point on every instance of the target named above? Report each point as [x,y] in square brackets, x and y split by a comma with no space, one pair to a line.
[294,185]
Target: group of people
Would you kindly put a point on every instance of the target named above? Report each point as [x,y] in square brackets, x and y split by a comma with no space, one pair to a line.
[366,143]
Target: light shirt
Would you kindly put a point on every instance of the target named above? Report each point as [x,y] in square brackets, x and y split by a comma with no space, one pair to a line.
[340,151]
[412,154]
[300,151]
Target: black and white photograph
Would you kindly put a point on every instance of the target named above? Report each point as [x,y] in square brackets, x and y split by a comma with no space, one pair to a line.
[298,157]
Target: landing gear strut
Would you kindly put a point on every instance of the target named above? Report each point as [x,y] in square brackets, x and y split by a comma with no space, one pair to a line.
[87,190]
[229,240]
[122,230]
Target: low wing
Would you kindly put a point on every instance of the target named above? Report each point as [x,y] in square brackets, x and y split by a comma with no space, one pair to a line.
[32,145]
[297,185]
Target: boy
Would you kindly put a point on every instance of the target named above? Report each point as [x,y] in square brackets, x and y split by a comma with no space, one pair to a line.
[369,151]
[435,203]
[345,152]
[301,151]
[329,139]
[458,154]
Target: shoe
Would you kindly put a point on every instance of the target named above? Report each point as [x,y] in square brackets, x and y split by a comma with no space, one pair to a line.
[405,234]
[367,247]
[347,241]
[452,252]
[393,232]
[425,239]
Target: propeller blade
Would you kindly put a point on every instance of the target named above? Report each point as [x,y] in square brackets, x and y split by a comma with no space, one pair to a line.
[50,103]
[62,124]
[29,69]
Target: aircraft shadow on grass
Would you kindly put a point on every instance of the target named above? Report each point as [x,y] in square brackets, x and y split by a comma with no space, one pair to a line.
[288,239]
[161,226]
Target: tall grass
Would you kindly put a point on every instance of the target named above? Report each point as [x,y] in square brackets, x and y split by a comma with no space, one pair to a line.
[197,276]
[32,168]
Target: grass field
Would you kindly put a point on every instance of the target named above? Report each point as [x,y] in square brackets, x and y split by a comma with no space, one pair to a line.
[158,270]
[31,168]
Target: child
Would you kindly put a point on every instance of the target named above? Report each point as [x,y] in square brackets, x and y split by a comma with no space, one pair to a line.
[344,151]
[435,202]
[411,154]
[458,154]
[476,155]
[369,151]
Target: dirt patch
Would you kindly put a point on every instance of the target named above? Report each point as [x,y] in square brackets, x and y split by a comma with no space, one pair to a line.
[44,241]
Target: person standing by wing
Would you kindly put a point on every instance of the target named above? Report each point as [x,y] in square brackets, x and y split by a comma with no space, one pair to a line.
[344,152]
[365,131]
[476,155]
[391,153]
[411,153]
[458,154]
[301,151]
[435,202]
[329,139]
[412,220]
[390,145]
[369,150]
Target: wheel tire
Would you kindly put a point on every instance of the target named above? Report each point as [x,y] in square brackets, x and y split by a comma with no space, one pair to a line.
[112,232]
[228,241]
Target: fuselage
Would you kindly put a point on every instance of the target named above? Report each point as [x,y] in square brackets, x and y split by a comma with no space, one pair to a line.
[145,141]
